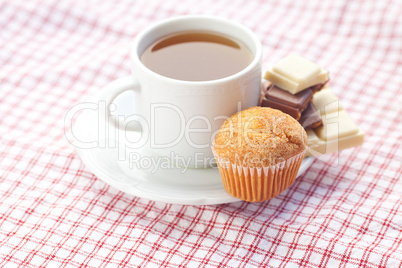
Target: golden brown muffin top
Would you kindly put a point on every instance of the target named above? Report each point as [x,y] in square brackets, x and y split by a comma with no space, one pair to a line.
[260,137]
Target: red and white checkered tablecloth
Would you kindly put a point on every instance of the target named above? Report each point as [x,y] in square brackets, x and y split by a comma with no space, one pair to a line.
[345,211]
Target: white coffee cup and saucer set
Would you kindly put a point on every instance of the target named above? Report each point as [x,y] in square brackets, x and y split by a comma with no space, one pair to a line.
[150,135]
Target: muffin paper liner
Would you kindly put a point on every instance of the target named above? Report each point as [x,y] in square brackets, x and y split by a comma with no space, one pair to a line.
[255,184]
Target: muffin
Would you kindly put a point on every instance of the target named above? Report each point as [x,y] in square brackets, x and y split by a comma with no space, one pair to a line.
[259,152]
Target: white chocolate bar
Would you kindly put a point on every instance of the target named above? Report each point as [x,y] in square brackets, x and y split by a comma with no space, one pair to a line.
[326,101]
[295,74]
[317,146]
[312,138]
[296,68]
[336,125]
[338,131]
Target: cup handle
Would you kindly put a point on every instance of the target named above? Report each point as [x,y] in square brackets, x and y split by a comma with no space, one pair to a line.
[114,89]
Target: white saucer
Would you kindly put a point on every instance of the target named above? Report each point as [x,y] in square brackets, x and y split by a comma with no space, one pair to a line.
[170,185]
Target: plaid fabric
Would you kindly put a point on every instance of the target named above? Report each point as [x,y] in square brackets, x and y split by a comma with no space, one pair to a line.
[345,211]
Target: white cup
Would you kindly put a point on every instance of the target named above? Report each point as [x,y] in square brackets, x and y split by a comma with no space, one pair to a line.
[182,117]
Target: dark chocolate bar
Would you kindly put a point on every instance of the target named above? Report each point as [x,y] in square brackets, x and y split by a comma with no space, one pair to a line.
[294,112]
[280,99]
[299,100]
[310,117]
[318,87]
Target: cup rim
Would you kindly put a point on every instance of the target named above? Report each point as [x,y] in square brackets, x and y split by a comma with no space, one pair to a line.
[255,62]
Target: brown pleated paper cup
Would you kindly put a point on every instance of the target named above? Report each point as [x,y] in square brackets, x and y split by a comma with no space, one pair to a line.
[256,184]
